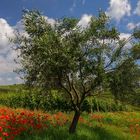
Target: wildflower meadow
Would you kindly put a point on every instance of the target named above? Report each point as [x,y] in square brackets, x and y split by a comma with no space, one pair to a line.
[23,124]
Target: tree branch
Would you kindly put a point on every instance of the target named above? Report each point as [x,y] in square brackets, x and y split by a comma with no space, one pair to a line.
[76,93]
[81,76]
[68,82]
[70,94]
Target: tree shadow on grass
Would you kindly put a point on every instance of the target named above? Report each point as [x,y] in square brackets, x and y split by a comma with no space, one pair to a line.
[84,132]
[100,133]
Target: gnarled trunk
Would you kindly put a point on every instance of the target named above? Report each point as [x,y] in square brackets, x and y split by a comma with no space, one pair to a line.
[74,122]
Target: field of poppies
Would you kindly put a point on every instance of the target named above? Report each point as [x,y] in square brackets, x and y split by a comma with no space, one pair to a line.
[21,124]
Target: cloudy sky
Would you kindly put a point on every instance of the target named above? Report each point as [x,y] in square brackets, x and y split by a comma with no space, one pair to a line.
[125,14]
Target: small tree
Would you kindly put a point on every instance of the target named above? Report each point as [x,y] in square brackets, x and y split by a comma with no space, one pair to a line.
[80,61]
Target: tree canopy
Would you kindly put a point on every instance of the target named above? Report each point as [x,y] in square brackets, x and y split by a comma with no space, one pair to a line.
[81,61]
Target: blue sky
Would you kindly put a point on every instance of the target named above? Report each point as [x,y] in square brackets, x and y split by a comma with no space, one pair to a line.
[125,14]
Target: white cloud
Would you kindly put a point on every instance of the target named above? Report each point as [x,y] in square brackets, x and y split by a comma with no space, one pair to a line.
[20,28]
[6,66]
[6,32]
[132,25]
[118,9]
[6,53]
[9,79]
[137,10]
[17,78]
[51,21]
[84,21]
[124,35]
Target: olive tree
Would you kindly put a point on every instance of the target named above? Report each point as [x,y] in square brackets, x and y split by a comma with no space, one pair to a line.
[80,61]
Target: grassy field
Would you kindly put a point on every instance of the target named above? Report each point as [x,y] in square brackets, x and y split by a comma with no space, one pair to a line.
[24,124]
[21,124]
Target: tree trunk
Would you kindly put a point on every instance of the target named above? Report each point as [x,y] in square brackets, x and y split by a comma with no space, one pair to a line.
[98,110]
[74,122]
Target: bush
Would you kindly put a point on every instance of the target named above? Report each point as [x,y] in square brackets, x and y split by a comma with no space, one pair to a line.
[55,102]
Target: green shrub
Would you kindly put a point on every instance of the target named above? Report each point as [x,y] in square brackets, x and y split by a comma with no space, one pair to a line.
[54,102]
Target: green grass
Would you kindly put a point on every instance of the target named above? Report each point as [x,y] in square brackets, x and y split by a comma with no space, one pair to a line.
[113,126]
[83,132]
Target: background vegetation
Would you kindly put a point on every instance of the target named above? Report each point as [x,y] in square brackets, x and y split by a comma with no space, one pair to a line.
[18,96]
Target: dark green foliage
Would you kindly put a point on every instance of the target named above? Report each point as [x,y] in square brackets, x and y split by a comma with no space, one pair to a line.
[136,51]
[55,102]
[122,77]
